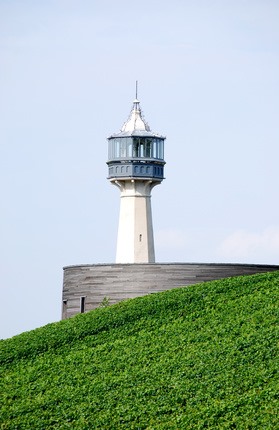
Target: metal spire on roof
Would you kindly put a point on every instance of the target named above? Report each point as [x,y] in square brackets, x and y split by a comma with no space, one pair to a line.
[136,125]
[136,119]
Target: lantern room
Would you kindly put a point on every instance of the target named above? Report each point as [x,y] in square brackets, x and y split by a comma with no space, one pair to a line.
[136,151]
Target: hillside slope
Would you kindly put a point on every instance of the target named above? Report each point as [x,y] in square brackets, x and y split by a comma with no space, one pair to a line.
[205,356]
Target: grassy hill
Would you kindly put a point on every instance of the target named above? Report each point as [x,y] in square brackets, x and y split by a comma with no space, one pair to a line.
[201,357]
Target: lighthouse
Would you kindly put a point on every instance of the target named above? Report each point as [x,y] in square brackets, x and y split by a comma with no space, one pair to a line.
[135,166]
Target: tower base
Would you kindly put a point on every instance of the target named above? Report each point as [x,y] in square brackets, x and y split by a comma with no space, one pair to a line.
[87,287]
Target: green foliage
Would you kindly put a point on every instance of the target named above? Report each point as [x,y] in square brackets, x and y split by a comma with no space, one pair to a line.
[105,302]
[201,357]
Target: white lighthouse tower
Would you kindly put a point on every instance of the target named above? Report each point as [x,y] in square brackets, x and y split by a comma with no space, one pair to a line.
[135,165]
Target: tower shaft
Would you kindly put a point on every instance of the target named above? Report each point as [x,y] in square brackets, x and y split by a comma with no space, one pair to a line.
[135,242]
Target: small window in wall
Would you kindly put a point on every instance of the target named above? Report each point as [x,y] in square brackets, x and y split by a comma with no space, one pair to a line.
[82,305]
[64,308]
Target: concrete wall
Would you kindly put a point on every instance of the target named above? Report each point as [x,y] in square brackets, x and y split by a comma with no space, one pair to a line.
[86,286]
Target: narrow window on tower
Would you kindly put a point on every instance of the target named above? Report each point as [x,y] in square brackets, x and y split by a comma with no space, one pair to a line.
[140,237]
[82,304]
[64,309]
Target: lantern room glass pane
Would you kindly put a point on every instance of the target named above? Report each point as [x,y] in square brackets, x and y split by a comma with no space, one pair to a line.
[141,148]
[122,149]
[129,147]
[148,148]
[154,148]
[160,148]
[135,147]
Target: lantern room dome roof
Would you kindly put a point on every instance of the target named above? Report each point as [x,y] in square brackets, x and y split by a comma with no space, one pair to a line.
[136,120]
[136,125]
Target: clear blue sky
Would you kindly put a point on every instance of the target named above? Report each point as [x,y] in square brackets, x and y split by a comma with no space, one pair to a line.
[208,75]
